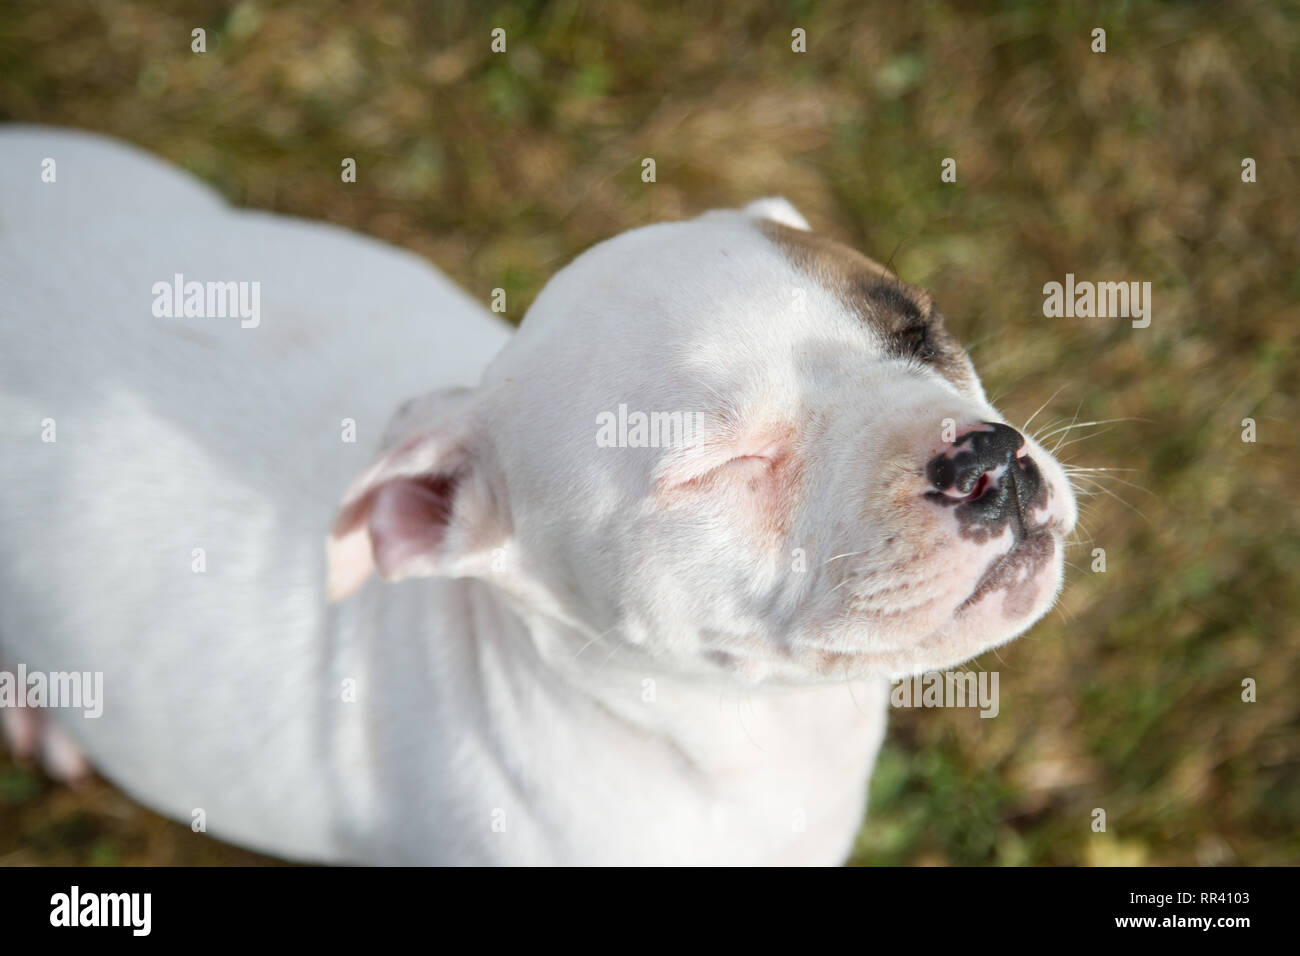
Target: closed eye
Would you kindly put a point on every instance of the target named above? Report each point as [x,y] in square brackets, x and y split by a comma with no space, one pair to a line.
[915,342]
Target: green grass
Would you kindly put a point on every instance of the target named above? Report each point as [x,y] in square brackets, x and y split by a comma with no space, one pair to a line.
[1122,165]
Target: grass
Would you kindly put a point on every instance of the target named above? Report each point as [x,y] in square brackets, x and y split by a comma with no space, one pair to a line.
[1117,165]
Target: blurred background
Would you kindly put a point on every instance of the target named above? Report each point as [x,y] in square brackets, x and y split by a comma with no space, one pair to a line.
[1123,165]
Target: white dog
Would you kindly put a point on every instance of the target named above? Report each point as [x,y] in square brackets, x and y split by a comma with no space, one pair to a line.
[661,548]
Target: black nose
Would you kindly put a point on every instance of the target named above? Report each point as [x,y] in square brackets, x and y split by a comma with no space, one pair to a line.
[985,473]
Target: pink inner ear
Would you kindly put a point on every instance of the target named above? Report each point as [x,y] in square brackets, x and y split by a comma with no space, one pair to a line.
[408,523]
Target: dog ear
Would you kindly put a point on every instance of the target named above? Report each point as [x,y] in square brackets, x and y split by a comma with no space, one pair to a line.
[779,210]
[425,507]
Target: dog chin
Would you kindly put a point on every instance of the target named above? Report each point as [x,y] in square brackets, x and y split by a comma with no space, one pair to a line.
[1013,592]
[1015,589]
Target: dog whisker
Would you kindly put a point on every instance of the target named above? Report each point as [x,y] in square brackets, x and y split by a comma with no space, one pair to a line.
[594,640]
[1093,477]
[1070,467]
[847,554]
[1100,421]
[1025,427]
[1074,418]
[1106,491]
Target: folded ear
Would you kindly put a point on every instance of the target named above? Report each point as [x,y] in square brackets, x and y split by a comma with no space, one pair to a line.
[777,209]
[425,507]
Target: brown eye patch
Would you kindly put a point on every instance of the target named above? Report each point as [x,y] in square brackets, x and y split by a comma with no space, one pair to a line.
[903,316]
[910,326]
[915,342]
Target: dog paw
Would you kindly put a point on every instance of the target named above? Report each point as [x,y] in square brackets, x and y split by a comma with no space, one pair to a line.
[30,735]
[21,731]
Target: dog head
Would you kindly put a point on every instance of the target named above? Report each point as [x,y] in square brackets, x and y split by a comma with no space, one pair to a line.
[728,445]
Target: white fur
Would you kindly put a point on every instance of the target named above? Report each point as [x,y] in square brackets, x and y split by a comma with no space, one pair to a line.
[605,656]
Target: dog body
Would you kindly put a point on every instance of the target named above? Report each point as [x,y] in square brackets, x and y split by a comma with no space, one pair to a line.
[639,653]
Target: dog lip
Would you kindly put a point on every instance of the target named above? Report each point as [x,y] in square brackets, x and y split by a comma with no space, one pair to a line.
[1027,547]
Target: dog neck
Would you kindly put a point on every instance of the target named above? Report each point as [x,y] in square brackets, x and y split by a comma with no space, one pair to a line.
[710,723]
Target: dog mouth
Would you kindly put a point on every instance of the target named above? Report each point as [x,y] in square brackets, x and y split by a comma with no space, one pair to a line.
[1017,573]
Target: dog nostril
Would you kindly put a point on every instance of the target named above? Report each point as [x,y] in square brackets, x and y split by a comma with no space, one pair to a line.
[960,477]
[966,485]
[978,461]
[941,472]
